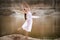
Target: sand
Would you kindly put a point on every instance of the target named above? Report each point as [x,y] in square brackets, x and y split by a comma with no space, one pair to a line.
[21,37]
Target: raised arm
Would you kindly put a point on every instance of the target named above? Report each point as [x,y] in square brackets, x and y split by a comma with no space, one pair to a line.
[25,5]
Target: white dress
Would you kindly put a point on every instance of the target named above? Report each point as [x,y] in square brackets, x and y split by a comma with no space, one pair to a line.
[27,26]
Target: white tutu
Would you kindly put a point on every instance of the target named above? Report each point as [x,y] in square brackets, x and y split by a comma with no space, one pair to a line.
[27,26]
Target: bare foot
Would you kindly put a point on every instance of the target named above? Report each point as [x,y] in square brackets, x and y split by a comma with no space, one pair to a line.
[19,29]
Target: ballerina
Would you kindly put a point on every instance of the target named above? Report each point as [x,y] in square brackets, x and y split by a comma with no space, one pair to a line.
[27,26]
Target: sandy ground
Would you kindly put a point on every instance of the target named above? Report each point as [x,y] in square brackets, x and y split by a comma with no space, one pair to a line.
[21,37]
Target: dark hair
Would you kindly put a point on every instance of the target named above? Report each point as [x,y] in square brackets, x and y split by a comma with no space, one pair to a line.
[24,9]
[25,16]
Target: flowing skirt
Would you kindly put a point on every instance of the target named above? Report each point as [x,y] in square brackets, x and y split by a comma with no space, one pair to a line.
[27,26]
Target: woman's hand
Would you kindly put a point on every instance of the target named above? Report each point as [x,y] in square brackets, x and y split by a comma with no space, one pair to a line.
[25,7]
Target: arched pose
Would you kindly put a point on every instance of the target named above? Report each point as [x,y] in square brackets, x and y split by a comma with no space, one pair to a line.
[27,26]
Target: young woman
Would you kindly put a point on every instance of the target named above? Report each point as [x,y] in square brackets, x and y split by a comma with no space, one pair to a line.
[27,26]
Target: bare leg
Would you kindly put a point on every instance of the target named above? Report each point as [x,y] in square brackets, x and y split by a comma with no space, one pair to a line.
[26,35]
